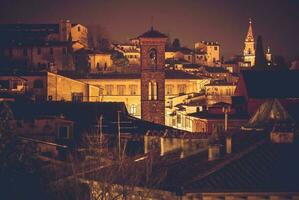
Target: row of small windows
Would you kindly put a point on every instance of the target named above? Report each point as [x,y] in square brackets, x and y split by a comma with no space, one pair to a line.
[7,84]
[39,51]
[121,89]
[132,56]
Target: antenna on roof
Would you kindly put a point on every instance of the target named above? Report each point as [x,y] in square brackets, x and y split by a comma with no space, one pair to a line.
[152,22]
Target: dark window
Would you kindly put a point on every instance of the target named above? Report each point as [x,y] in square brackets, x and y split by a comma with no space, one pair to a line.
[25,52]
[63,132]
[19,124]
[153,58]
[38,84]
[14,84]
[39,51]
[10,52]
[4,84]
[215,48]
[50,98]
[77,96]
[64,51]
[79,28]
[40,98]
[51,51]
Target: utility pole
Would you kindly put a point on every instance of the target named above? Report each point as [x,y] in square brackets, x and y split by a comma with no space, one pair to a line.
[226,110]
[118,128]
[101,131]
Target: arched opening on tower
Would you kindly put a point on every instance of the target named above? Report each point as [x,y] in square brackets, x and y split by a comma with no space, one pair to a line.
[152,90]
[153,58]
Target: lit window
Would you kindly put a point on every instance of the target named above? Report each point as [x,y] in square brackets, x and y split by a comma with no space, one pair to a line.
[121,89]
[169,89]
[182,89]
[133,109]
[152,90]
[133,89]
[109,89]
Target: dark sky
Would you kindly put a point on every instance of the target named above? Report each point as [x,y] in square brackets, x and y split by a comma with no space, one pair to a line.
[225,21]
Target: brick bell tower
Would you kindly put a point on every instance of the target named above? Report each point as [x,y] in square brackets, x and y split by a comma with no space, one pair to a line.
[152,59]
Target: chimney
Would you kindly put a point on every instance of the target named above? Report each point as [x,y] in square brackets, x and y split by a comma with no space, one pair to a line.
[214,152]
[65,27]
[228,144]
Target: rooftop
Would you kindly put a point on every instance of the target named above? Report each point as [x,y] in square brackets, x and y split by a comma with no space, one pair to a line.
[208,115]
[152,33]
[271,83]
[215,70]
[169,74]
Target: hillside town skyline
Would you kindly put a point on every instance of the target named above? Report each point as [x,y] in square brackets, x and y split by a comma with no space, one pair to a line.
[85,116]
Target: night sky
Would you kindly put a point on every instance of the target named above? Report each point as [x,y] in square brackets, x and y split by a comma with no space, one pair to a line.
[190,20]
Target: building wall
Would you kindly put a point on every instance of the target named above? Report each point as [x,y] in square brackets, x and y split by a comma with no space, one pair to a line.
[220,90]
[42,57]
[62,88]
[210,53]
[214,125]
[34,86]
[100,62]
[79,34]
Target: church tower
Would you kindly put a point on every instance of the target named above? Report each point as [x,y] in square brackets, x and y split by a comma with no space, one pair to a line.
[249,49]
[152,45]
[268,55]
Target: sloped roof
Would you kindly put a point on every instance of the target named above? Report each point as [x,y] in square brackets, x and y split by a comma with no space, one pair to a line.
[214,116]
[268,113]
[86,114]
[152,34]
[266,168]
[271,83]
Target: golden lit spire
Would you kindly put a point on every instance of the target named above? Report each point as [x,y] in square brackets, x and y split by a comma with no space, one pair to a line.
[249,36]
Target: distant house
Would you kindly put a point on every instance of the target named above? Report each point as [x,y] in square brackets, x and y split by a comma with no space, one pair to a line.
[15,33]
[207,53]
[98,61]
[46,86]
[220,91]
[254,87]
[42,46]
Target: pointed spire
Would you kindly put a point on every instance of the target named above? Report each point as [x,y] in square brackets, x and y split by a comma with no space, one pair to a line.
[249,36]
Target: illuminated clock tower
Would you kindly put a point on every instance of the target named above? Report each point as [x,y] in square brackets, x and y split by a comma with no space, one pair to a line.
[152,45]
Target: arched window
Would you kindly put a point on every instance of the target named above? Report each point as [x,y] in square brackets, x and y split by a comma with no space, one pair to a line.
[133,109]
[153,58]
[38,84]
[152,90]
